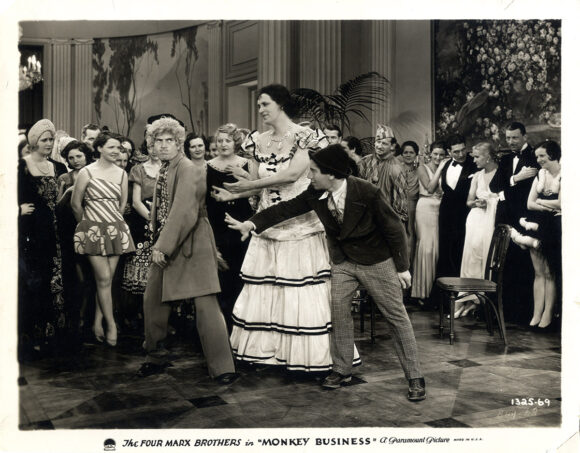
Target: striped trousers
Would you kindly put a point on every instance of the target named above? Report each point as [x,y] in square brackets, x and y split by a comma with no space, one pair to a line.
[382,283]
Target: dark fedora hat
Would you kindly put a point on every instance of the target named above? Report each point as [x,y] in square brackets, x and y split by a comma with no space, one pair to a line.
[333,158]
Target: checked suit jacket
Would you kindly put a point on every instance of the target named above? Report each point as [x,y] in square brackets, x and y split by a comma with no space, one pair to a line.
[371,231]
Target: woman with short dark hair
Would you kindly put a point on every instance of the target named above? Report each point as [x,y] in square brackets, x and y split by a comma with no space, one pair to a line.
[98,201]
[544,232]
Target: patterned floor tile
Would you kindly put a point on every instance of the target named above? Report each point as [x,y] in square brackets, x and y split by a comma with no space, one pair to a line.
[469,383]
[207,401]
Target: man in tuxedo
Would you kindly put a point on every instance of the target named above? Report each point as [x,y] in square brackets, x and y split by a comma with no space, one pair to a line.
[368,246]
[455,182]
[518,170]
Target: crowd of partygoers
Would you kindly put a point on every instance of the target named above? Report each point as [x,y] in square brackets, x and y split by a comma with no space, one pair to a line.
[265,238]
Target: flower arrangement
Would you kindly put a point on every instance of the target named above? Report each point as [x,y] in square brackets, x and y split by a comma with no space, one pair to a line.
[502,71]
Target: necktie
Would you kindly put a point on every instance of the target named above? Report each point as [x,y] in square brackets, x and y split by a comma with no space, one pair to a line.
[334,209]
[455,163]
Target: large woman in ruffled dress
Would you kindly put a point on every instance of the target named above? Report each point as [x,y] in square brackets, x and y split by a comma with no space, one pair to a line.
[282,316]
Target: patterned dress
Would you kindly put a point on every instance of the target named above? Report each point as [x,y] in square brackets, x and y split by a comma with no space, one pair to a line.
[41,309]
[102,229]
[136,269]
[282,315]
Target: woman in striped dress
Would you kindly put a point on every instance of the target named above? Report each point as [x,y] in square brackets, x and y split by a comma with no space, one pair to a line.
[102,233]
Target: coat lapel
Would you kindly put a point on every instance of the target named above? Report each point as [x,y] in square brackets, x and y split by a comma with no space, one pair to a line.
[353,208]
[465,170]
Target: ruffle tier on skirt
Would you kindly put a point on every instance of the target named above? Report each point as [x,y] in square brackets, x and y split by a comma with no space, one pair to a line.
[282,315]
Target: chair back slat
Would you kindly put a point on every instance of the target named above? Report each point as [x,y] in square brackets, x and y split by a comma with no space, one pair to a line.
[497,253]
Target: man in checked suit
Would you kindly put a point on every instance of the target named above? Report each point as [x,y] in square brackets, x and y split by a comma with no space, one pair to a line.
[368,246]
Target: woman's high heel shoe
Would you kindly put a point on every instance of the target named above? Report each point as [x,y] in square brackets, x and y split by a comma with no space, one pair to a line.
[112,340]
[99,334]
[468,309]
[459,312]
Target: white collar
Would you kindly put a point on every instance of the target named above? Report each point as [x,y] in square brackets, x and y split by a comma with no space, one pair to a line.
[336,193]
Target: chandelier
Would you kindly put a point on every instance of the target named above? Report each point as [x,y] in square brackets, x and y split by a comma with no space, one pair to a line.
[30,74]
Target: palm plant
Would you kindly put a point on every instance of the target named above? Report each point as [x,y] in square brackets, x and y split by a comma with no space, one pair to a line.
[353,98]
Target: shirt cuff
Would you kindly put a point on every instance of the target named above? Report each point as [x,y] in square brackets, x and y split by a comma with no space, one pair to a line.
[253,225]
[512,181]
[501,196]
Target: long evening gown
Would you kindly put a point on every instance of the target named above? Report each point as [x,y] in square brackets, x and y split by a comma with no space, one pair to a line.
[427,242]
[41,309]
[479,229]
[227,240]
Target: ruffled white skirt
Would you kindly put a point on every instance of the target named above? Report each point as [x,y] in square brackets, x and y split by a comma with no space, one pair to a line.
[282,315]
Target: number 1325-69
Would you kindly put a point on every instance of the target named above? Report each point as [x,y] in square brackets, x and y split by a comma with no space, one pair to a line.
[530,402]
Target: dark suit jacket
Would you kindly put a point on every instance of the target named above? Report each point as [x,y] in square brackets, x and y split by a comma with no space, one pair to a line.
[458,197]
[371,231]
[516,197]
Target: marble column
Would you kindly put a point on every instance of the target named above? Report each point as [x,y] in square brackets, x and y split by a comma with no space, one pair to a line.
[82,102]
[320,55]
[274,52]
[215,75]
[382,59]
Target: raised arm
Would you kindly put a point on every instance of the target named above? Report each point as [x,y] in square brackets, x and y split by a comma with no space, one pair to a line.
[434,182]
[298,165]
[221,194]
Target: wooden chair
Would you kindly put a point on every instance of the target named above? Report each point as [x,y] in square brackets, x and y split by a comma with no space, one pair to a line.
[364,302]
[491,284]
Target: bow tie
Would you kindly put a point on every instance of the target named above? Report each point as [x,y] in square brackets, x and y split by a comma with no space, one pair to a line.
[455,163]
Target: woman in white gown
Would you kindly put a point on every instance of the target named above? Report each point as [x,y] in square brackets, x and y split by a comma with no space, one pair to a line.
[480,222]
[282,315]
